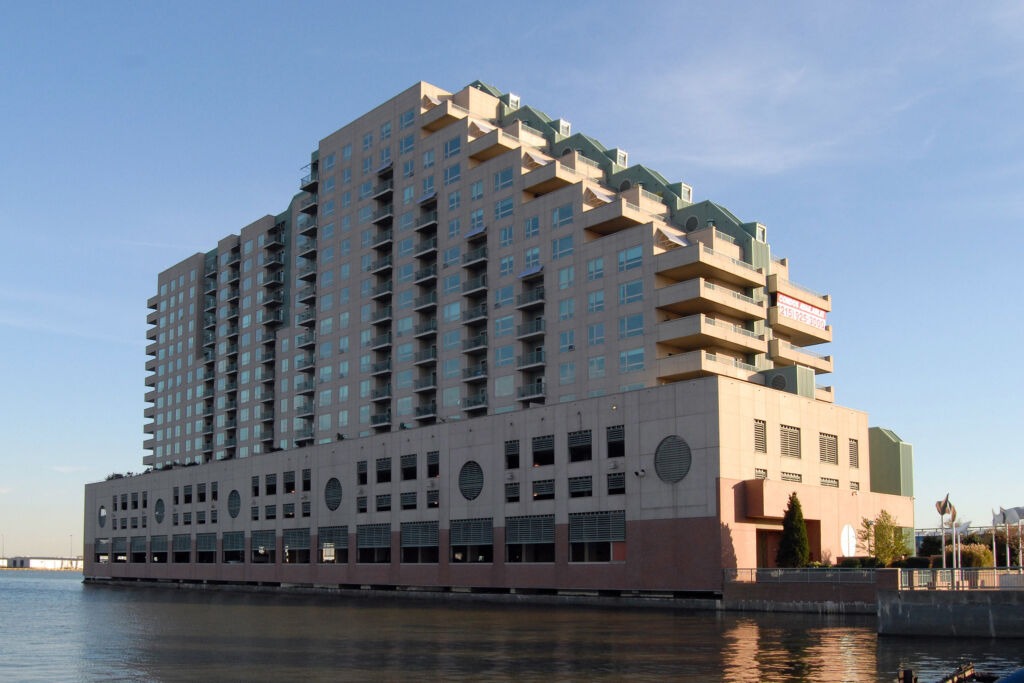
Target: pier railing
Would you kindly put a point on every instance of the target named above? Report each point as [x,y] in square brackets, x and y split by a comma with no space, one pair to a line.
[803,575]
[961,579]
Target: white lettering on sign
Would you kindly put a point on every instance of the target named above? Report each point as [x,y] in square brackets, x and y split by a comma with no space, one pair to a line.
[801,312]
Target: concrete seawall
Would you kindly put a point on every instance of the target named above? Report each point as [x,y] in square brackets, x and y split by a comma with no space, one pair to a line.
[974,613]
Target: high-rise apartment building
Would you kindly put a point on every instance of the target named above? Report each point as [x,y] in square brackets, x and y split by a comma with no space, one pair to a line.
[481,350]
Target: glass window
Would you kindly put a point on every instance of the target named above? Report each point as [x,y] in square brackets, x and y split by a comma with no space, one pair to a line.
[566,309]
[531,257]
[503,178]
[595,367]
[407,143]
[566,277]
[631,360]
[452,147]
[630,258]
[452,174]
[507,265]
[561,215]
[476,190]
[595,301]
[506,236]
[567,340]
[407,118]
[631,325]
[595,334]
[531,227]
[631,291]
[503,208]
[561,247]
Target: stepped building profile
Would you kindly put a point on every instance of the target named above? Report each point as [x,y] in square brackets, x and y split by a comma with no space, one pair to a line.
[479,351]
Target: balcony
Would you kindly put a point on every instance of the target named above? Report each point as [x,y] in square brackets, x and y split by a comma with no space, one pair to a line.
[308,205]
[444,114]
[426,247]
[425,357]
[426,329]
[475,373]
[381,367]
[530,298]
[274,260]
[383,190]
[793,327]
[548,178]
[384,213]
[304,408]
[534,328]
[305,385]
[474,314]
[425,275]
[426,411]
[307,293]
[426,220]
[825,394]
[534,359]
[779,285]
[475,402]
[474,285]
[381,393]
[153,317]
[273,280]
[274,240]
[426,301]
[307,318]
[531,391]
[309,182]
[273,299]
[306,248]
[475,343]
[306,271]
[305,362]
[383,238]
[701,296]
[475,257]
[381,341]
[380,420]
[490,145]
[273,318]
[425,384]
[429,198]
[784,353]
[382,264]
[307,227]
[267,377]
[704,332]
[306,340]
[613,217]
[699,260]
[381,315]
[699,363]
[382,290]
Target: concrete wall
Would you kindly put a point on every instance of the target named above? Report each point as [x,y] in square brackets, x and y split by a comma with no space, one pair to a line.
[981,614]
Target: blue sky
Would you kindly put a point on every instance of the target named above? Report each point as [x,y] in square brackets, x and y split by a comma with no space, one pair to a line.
[881,144]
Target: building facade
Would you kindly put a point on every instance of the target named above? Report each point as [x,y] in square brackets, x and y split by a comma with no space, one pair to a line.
[481,351]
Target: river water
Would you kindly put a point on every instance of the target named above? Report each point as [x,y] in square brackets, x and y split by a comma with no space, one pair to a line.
[54,628]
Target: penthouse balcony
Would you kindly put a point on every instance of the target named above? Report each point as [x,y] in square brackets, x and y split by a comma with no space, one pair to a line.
[443,114]
[548,178]
[789,321]
[490,145]
[784,353]
[700,296]
[700,260]
[777,284]
[309,182]
[823,393]
[614,216]
[704,332]
[673,368]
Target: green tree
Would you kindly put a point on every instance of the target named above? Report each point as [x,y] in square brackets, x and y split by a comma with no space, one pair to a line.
[882,538]
[794,549]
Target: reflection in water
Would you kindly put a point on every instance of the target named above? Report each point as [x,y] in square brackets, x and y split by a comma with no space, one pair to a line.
[98,633]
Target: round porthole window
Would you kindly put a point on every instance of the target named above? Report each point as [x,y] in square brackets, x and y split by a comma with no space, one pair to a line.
[471,480]
[332,494]
[234,503]
[158,510]
[672,459]
[102,516]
